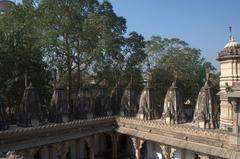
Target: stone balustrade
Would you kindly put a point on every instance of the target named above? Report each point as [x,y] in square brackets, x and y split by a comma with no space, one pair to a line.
[213,142]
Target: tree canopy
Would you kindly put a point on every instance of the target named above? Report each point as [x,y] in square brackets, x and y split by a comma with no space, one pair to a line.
[174,57]
[87,39]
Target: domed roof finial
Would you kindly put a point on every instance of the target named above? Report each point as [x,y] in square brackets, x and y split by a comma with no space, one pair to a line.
[230,32]
[207,71]
[232,42]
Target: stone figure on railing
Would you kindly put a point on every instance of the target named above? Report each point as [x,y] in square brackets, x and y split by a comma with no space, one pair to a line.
[59,106]
[83,105]
[147,105]
[205,111]
[102,102]
[116,96]
[129,102]
[173,105]
[29,112]
[3,117]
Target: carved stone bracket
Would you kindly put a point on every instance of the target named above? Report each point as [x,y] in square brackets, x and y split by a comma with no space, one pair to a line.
[168,152]
[24,154]
[137,143]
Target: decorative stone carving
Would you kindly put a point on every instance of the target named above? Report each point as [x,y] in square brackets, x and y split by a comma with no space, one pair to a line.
[61,149]
[229,65]
[29,112]
[231,49]
[205,110]
[83,104]
[168,152]
[59,106]
[234,100]
[129,102]
[173,105]
[137,143]
[205,157]
[116,96]
[147,104]
[102,103]
[3,117]
[91,144]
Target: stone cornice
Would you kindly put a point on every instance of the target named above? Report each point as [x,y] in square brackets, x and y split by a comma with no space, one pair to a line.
[213,142]
[25,138]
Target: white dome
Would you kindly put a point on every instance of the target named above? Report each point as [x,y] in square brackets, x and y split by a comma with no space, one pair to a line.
[232,43]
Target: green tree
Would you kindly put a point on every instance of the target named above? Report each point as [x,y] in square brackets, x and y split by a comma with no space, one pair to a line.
[20,51]
[170,57]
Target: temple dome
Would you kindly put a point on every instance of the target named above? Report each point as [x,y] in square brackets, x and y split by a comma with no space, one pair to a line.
[231,50]
[232,43]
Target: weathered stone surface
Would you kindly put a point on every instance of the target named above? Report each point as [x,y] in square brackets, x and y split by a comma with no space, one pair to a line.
[29,112]
[129,102]
[83,107]
[147,105]
[205,114]
[102,103]
[59,106]
[173,105]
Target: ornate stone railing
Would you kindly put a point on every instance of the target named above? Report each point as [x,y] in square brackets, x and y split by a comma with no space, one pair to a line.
[17,138]
[217,142]
[212,142]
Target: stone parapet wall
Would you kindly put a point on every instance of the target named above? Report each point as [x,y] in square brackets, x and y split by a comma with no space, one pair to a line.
[25,138]
[213,142]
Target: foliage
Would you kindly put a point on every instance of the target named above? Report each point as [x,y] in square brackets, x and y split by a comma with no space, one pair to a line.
[87,39]
[20,52]
[174,57]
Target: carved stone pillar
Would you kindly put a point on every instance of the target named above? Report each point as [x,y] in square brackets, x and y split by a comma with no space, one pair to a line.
[137,143]
[61,149]
[26,154]
[44,153]
[91,145]
[73,150]
[114,138]
[235,104]
[168,152]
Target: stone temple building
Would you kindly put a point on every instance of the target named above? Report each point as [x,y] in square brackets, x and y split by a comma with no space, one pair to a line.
[119,126]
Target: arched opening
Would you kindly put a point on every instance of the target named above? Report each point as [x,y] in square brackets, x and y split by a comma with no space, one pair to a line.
[125,147]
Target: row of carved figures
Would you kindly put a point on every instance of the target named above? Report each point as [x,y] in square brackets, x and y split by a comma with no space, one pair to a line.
[123,103]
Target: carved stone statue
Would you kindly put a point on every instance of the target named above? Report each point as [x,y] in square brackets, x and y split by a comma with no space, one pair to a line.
[29,112]
[59,106]
[3,117]
[116,96]
[147,105]
[129,102]
[205,111]
[173,105]
[102,103]
[83,104]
